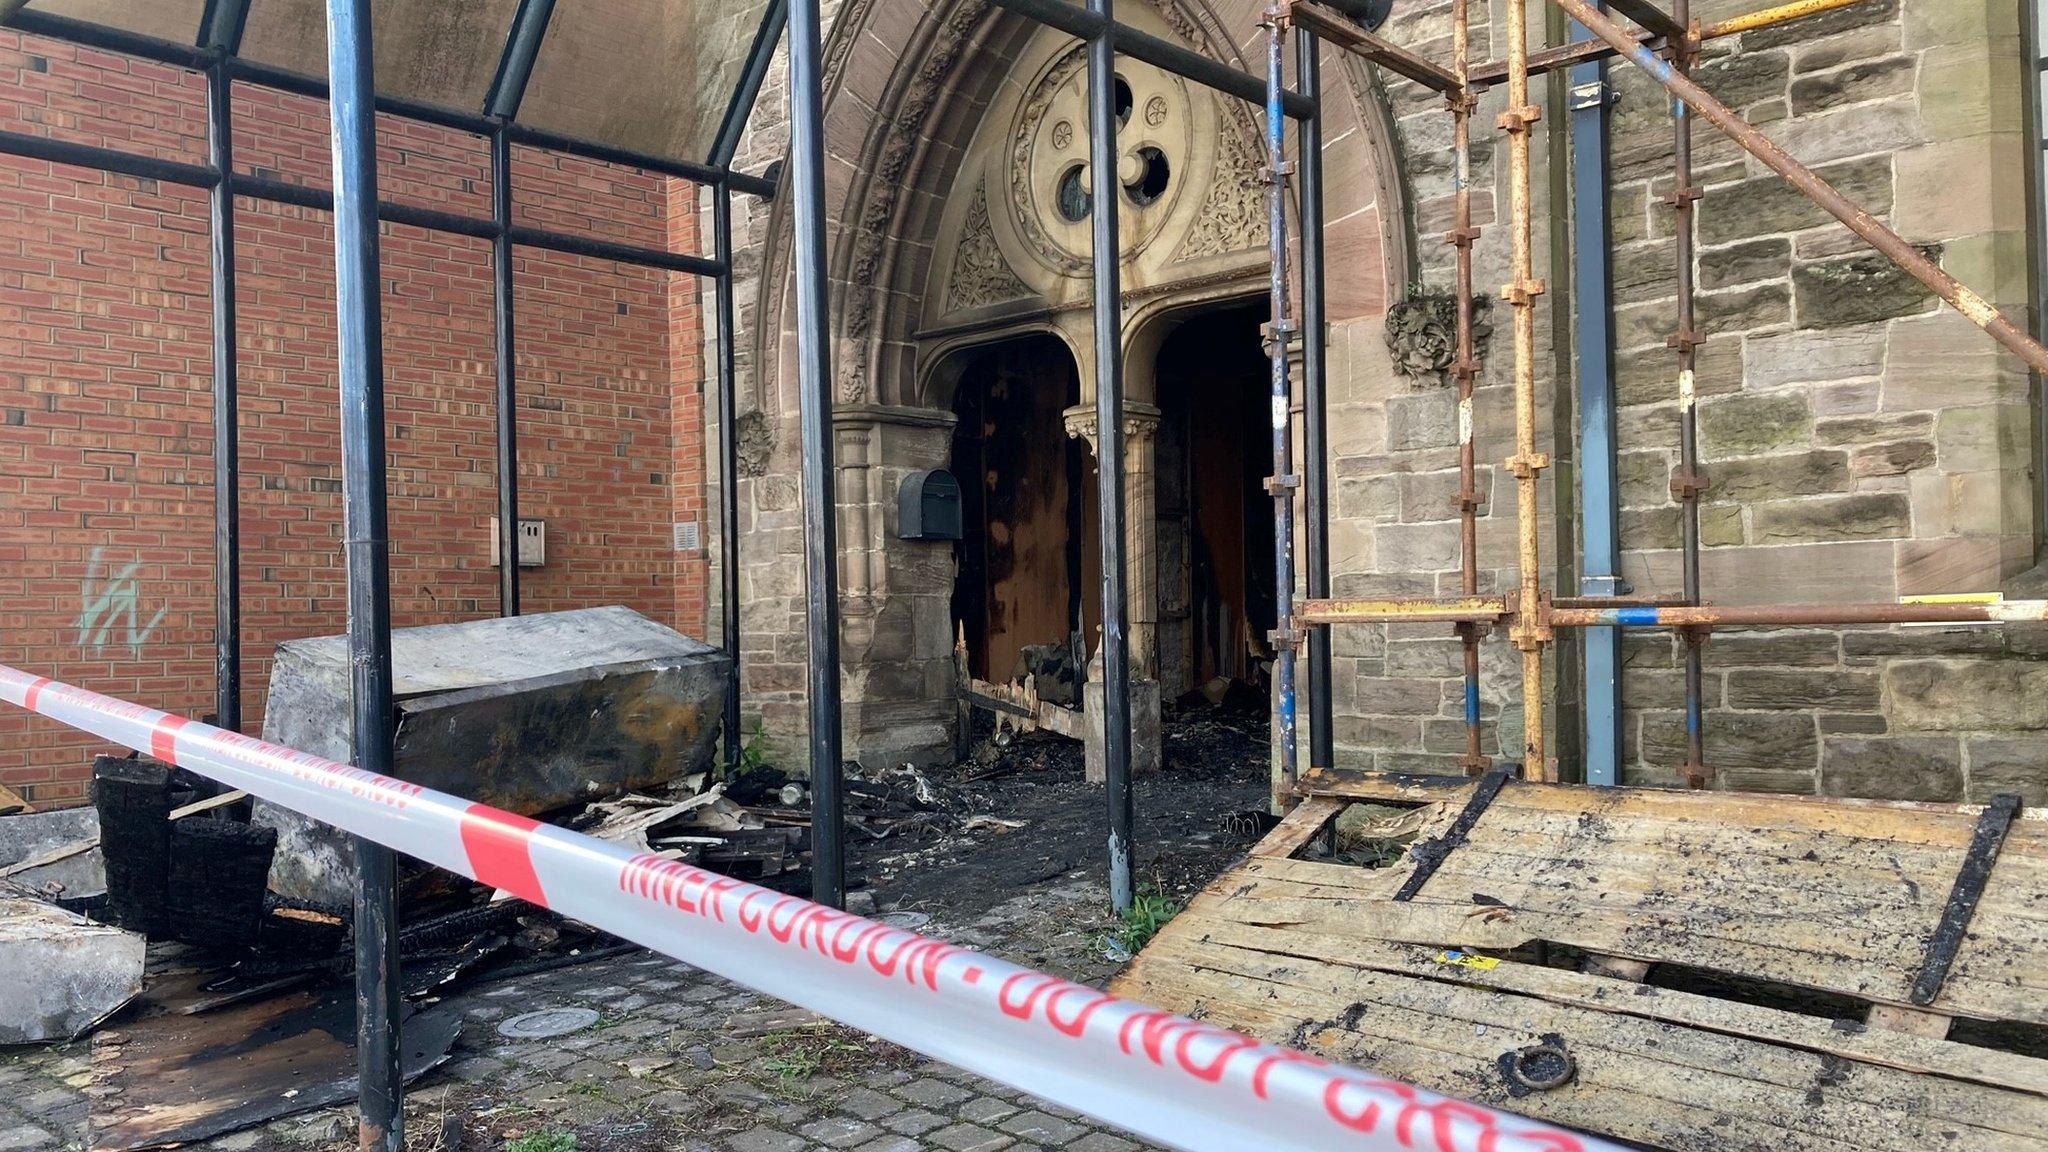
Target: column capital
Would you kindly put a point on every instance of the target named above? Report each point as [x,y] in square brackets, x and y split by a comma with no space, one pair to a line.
[1141,421]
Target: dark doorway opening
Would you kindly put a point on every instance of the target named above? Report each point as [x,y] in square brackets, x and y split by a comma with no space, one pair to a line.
[1216,519]
[1021,487]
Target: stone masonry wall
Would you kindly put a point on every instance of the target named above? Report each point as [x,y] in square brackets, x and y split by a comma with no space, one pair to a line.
[1398,691]
[1860,441]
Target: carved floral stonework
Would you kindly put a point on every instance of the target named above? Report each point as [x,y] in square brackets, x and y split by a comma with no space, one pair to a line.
[754,443]
[1233,217]
[886,184]
[1422,333]
[981,276]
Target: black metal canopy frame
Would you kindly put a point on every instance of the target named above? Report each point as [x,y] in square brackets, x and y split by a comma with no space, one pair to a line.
[353,106]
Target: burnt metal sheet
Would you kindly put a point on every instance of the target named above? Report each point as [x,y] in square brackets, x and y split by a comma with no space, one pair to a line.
[174,1079]
[60,973]
[36,852]
[526,713]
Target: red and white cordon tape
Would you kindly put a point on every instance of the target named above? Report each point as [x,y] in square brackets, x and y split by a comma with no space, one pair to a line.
[1182,1083]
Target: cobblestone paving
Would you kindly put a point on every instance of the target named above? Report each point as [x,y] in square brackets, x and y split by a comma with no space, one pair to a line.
[679,1061]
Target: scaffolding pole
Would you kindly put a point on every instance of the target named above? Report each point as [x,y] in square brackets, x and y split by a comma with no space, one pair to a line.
[1465,369]
[1688,484]
[1527,464]
[1280,330]
[1315,439]
[1890,244]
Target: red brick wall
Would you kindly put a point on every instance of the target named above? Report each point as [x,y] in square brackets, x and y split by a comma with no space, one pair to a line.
[106,396]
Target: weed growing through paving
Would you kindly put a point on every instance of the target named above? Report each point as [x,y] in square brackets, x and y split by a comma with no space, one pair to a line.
[797,1054]
[547,1140]
[1150,910]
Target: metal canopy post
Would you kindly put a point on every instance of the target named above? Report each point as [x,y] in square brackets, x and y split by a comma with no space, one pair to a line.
[515,64]
[1107,253]
[726,144]
[357,282]
[728,472]
[1308,73]
[814,387]
[1280,329]
[227,459]
[503,313]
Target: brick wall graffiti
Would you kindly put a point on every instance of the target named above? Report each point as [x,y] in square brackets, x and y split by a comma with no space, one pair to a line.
[109,607]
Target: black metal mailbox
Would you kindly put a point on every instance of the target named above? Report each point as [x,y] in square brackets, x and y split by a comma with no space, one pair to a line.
[928,506]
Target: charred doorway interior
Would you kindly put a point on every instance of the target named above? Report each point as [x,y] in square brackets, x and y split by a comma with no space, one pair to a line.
[1215,518]
[1021,485]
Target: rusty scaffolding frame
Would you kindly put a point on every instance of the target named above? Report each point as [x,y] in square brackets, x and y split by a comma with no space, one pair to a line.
[1665,44]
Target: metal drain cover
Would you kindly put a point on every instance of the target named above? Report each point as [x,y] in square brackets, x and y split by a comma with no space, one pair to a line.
[547,1022]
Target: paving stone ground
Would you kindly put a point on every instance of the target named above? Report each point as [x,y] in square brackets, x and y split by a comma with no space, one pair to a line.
[668,1067]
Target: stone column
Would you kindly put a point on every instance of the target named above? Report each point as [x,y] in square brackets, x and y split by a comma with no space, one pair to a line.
[1140,427]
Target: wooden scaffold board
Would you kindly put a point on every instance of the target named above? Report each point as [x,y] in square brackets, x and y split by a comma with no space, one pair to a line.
[1682,970]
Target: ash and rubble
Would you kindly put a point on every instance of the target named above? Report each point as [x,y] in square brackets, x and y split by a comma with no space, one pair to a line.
[1001,851]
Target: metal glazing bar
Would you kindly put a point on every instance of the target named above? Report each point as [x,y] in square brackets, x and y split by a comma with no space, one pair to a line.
[1777,615]
[108,160]
[299,84]
[726,144]
[270,190]
[221,25]
[1107,255]
[227,457]
[625,157]
[515,65]
[1465,368]
[1280,331]
[1974,308]
[1527,464]
[36,22]
[432,219]
[728,472]
[1083,24]
[273,191]
[1480,609]
[814,384]
[1687,485]
[1769,17]
[1599,491]
[1308,73]
[1357,41]
[504,314]
[1652,18]
[357,283]
[619,253]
